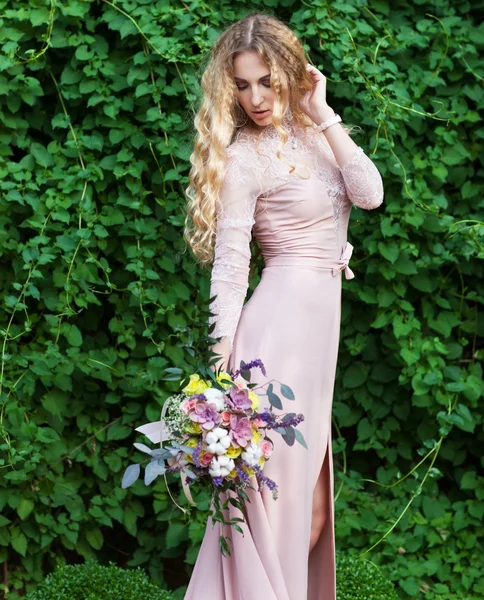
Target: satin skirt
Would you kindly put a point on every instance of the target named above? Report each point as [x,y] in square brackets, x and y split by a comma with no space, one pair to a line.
[292,323]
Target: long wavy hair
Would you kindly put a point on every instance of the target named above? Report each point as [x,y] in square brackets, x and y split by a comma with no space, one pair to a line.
[216,120]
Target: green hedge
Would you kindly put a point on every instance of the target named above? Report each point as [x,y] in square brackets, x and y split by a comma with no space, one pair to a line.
[357,580]
[99,294]
[92,581]
[361,580]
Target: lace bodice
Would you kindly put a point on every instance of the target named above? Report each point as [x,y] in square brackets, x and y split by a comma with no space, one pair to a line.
[254,174]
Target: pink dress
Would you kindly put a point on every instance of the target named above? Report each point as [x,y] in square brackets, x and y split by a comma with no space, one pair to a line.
[292,323]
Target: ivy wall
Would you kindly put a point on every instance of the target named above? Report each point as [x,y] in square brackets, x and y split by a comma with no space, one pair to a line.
[99,294]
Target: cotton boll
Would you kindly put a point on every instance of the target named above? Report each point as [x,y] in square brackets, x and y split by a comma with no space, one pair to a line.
[221,466]
[252,454]
[218,440]
[211,437]
[216,448]
[220,432]
[225,442]
[216,397]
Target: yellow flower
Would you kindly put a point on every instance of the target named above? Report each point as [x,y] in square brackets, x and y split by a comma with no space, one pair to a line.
[250,472]
[196,385]
[193,427]
[255,400]
[262,461]
[223,376]
[233,452]
[232,474]
[256,436]
[192,441]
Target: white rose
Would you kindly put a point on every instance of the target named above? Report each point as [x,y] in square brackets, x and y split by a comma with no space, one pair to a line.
[252,454]
[216,397]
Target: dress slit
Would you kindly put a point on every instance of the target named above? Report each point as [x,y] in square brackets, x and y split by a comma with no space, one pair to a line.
[321,560]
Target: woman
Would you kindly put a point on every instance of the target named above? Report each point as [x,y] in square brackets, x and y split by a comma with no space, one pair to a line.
[296,198]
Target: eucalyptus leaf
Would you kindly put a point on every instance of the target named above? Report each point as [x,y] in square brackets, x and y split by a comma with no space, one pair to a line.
[152,470]
[130,475]
[143,448]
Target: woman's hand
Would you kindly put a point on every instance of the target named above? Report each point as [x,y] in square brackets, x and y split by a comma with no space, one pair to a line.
[314,102]
[222,348]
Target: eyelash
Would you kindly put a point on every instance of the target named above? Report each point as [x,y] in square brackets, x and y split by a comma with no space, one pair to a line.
[246,86]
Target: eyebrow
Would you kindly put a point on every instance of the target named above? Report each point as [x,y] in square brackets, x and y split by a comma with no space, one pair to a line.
[260,79]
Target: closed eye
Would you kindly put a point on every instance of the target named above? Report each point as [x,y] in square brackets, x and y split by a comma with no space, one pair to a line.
[246,86]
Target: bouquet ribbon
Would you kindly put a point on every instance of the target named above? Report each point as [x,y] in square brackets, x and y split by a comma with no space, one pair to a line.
[157,432]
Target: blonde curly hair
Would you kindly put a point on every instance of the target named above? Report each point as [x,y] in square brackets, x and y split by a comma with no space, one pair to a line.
[216,119]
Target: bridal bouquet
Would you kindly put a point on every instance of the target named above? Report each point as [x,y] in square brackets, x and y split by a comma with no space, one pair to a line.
[218,437]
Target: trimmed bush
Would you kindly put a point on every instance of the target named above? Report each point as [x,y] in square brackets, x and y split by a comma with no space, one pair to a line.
[359,579]
[93,581]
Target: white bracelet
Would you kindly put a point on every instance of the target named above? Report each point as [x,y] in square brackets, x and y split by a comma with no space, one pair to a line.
[329,122]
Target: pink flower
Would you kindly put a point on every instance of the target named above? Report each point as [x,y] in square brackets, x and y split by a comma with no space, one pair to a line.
[240,430]
[240,383]
[206,459]
[205,414]
[187,405]
[259,422]
[266,448]
[225,416]
[239,399]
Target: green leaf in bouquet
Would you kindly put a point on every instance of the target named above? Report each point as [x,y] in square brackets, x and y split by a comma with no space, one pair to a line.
[143,448]
[172,374]
[130,475]
[153,469]
[245,373]
[290,435]
[224,546]
[287,392]
[189,472]
[187,449]
[178,446]
[274,399]
[300,438]
[244,495]
[161,453]
[281,430]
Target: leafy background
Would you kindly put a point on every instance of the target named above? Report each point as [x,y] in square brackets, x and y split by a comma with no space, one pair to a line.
[99,294]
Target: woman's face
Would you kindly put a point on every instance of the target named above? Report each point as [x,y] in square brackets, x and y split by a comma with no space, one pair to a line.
[254,92]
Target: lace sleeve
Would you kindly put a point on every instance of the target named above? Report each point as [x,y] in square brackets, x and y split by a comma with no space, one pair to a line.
[230,270]
[363,182]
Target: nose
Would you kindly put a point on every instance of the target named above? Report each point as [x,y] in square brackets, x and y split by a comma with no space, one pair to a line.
[257,98]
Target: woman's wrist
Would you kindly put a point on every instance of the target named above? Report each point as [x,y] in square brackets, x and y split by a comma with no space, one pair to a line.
[324,114]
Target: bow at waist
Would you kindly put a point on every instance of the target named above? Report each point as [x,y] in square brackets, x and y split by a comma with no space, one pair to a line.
[294,260]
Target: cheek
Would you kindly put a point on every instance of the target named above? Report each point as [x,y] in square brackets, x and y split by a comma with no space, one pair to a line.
[243,101]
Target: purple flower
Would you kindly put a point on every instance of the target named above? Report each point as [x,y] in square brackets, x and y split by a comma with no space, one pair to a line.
[239,399]
[253,363]
[240,430]
[205,414]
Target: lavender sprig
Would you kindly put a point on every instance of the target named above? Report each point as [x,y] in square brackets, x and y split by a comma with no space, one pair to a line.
[196,453]
[253,363]
[244,476]
[271,484]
